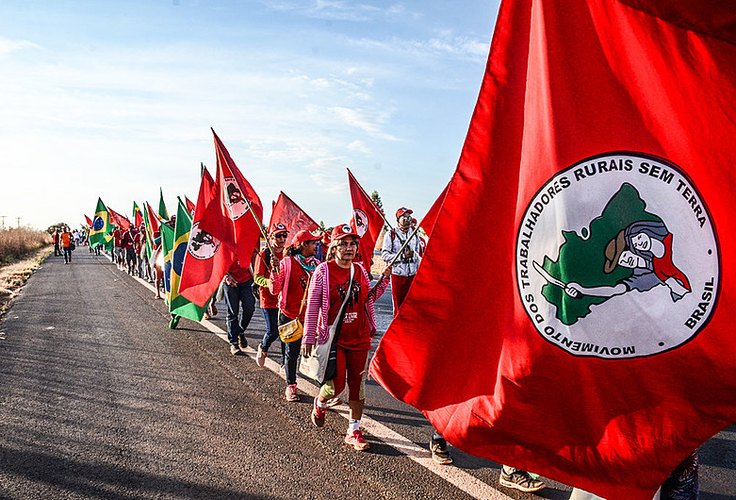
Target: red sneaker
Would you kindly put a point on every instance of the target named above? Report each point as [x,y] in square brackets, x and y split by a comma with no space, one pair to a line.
[318,414]
[357,441]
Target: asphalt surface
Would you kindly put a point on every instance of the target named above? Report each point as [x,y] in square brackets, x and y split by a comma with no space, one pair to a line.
[99,399]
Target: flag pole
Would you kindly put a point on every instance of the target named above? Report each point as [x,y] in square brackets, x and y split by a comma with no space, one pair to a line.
[260,227]
[403,246]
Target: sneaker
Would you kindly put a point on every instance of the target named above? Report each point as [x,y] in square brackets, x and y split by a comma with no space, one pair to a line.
[234,350]
[242,342]
[290,393]
[357,441]
[318,414]
[440,454]
[332,402]
[520,480]
[261,356]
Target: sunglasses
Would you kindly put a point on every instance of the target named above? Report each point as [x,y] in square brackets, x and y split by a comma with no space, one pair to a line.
[280,235]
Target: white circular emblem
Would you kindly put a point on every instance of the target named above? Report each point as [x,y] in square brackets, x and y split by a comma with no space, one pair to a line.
[617,257]
[361,221]
[346,229]
[236,203]
[202,245]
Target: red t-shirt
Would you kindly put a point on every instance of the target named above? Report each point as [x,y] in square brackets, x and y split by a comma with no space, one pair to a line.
[126,241]
[268,300]
[238,273]
[66,240]
[297,284]
[355,332]
[117,235]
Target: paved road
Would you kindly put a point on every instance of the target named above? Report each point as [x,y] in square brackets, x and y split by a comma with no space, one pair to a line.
[99,399]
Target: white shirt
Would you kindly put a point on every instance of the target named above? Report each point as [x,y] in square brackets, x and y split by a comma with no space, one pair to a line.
[391,245]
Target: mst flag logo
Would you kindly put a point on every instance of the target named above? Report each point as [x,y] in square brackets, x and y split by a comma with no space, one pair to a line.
[616,257]
[202,245]
[236,203]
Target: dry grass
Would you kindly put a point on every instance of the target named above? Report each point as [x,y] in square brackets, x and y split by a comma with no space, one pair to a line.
[13,276]
[18,243]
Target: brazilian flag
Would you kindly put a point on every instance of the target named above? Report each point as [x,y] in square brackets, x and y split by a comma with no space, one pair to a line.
[100,226]
[167,247]
[178,304]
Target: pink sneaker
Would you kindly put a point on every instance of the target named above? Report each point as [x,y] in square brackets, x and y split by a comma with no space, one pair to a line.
[290,393]
[318,414]
[357,441]
[261,356]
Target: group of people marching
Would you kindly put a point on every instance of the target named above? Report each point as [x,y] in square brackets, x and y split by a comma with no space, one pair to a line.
[66,240]
[334,301]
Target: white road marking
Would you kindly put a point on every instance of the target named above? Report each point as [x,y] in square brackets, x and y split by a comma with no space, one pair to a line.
[453,475]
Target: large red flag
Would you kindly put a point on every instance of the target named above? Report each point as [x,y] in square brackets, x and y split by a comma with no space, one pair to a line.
[237,199]
[210,252]
[572,315]
[367,220]
[288,213]
[118,219]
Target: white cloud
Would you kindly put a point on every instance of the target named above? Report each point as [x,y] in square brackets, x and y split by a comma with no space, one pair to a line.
[339,10]
[359,147]
[368,122]
[7,46]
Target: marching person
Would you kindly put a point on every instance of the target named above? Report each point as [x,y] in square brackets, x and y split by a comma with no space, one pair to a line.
[66,244]
[127,244]
[56,237]
[269,302]
[340,300]
[406,266]
[237,288]
[290,282]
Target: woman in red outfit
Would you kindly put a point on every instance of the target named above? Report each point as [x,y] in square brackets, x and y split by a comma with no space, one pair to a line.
[340,299]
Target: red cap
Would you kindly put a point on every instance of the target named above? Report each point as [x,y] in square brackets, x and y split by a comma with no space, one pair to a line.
[403,211]
[278,228]
[303,236]
[343,231]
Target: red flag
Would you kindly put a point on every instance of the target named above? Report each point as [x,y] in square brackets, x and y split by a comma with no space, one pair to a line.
[572,316]
[89,221]
[239,203]
[152,222]
[189,204]
[119,220]
[137,215]
[208,257]
[367,220]
[292,216]
[430,218]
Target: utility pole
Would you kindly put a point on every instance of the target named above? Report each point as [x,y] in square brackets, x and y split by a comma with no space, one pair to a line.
[2,224]
[18,218]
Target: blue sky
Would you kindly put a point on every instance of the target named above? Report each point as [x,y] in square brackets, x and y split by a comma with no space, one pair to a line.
[116,98]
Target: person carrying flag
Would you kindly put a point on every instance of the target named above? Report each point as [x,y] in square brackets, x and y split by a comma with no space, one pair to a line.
[340,311]
[406,266]
[290,282]
[269,302]
[237,288]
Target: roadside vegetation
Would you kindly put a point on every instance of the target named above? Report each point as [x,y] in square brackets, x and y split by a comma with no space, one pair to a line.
[20,242]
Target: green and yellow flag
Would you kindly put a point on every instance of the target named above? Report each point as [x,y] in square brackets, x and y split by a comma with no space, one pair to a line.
[100,225]
[162,212]
[167,245]
[178,304]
